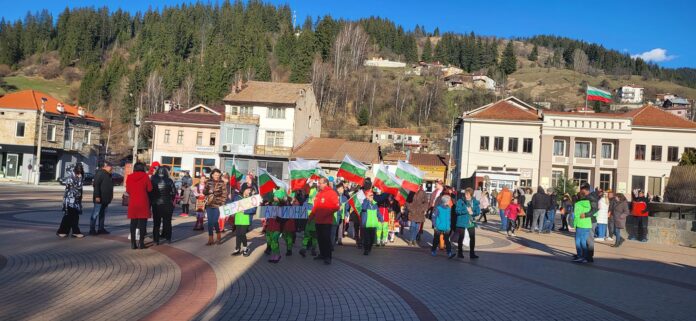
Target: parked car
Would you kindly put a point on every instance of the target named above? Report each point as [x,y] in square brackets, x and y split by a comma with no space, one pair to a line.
[117,178]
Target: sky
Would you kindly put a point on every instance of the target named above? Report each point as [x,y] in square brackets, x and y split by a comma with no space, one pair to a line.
[661,32]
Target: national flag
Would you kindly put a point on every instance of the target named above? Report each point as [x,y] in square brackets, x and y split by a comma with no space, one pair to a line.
[352,170]
[598,94]
[412,176]
[356,201]
[235,176]
[300,171]
[388,183]
[318,173]
[267,182]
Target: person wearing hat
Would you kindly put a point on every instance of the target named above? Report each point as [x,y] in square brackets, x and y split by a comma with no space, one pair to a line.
[371,219]
[102,196]
[442,219]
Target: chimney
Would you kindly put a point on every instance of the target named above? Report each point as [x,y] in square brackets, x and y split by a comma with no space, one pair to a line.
[167,106]
[238,86]
[60,108]
[80,111]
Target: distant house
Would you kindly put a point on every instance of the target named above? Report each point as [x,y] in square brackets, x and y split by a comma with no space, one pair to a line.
[462,81]
[434,166]
[331,151]
[384,63]
[399,138]
[484,82]
[631,94]
[678,106]
[450,70]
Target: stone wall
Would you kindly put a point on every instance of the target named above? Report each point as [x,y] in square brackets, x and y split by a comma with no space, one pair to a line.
[662,230]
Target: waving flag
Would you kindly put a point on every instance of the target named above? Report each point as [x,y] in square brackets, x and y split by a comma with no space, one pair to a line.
[268,182]
[300,171]
[412,176]
[356,201]
[352,170]
[598,94]
[235,176]
[391,184]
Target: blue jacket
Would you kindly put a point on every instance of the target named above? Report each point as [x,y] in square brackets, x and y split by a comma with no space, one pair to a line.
[367,205]
[442,216]
[464,220]
[342,211]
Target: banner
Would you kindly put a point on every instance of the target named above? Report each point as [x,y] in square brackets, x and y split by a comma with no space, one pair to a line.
[240,205]
[296,211]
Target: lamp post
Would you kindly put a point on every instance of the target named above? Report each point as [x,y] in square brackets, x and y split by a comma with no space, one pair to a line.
[137,130]
[39,139]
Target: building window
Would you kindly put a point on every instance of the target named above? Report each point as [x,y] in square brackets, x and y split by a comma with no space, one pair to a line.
[558,147]
[581,177]
[87,138]
[51,133]
[582,149]
[640,152]
[672,154]
[498,144]
[238,136]
[525,183]
[605,181]
[276,112]
[497,169]
[199,138]
[556,177]
[481,168]
[655,185]
[172,163]
[246,110]
[234,110]
[656,153]
[607,150]
[513,142]
[275,168]
[390,137]
[20,129]
[180,137]
[484,143]
[274,138]
[527,145]
[212,139]
[202,166]
[69,134]
[638,182]
[166,136]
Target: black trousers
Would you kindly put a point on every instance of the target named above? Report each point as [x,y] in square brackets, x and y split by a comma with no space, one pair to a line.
[70,221]
[641,227]
[241,236]
[483,215]
[368,237]
[472,239]
[357,232]
[162,216]
[324,240]
[185,208]
[436,240]
[141,224]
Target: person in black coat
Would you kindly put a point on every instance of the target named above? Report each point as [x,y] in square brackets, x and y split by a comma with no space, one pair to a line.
[162,200]
[102,196]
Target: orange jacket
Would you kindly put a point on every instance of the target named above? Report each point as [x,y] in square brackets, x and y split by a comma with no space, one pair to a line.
[504,198]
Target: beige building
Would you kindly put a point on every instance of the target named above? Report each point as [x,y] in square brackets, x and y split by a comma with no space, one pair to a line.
[511,143]
[69,135]
[399,138]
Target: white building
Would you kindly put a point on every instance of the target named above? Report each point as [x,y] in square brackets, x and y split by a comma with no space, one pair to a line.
[631,94]
[484,82]
[400,138]
[511,143]
[384,63]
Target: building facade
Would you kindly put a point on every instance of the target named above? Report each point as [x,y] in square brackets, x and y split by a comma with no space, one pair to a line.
[399,138]
[511,143]
[69,134]
[631,94]
[264,122]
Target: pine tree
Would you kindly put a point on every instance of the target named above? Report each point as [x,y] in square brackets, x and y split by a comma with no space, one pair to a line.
[436,32]
[326,32]
[363,117]
[534,55]
[304,55]
[509,62]
[285,48]
[427,54]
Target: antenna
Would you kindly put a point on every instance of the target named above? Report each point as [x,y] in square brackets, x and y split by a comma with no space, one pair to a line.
[294,20]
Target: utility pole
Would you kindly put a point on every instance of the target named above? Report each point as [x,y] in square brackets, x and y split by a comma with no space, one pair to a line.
[449,161]
[38,143]
[137,130]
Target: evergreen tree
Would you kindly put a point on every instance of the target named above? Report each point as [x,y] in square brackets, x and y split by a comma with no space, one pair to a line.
[688,158]
[285,48]
[363,117]
[508,63]
[427,54]
[304,56]
[326,32]
[436,32]
[534,55]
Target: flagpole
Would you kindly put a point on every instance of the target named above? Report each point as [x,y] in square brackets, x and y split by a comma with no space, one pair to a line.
[586,89]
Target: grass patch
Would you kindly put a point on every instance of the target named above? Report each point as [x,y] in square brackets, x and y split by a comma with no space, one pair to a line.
[55,87]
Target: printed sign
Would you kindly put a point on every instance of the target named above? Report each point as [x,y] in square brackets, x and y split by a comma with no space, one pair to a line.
[240,205]
[298,212]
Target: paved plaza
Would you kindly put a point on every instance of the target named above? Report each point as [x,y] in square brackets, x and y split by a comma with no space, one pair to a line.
[530,277]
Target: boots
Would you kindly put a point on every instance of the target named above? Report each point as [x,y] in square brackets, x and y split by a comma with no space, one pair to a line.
[218,238]
[274,258]
[134,245]
[210,240]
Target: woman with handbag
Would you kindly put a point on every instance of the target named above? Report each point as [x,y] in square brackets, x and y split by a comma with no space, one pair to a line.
[198,200]
[215,197]
[72,202]
[466,209]
[138,187]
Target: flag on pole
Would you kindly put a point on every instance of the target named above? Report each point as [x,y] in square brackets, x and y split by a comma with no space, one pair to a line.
[300,171]
[268,182]
[596,94]
[352,170]
[235,176]
[412,176]
[356,201]
[391,184]
[318,173]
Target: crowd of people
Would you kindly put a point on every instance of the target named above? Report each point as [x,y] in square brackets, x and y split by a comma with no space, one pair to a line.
[593,214]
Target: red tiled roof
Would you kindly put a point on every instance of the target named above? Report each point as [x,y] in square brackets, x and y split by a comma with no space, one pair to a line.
[651,116]
[335,149]
[31,100]
[395,156]
[178,116]
[419,159]
[504,110]
[268,92]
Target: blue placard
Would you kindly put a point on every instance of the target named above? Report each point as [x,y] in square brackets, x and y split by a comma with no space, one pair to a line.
[295,211]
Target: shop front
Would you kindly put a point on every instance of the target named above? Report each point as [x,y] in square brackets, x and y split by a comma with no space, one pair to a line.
[15,161]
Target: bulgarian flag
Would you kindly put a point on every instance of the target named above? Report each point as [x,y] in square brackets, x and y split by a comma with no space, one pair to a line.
[598,94]
[235,176]
[356,201]
[317,174]
[412,176]
[268,182]
[352,170]
[300,171]
[388,183]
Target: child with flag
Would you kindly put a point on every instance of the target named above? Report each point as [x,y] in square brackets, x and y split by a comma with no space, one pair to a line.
[339,217]
[371,220]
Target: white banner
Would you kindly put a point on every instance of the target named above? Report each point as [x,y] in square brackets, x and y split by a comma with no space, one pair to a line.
[240,205]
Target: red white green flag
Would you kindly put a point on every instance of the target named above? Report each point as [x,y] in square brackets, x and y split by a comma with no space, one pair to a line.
[300,171]
[412,176]
[267,182]
[391,184]
[318,173]
[598,94]
[235,176]
[352,170]
[356,201]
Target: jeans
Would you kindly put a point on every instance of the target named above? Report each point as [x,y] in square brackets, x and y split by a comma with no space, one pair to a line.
[538,220]
[70,221]
[601,230]
[98,215]
[503,220]
[581,238]
[590,242]
[413,230]
[549,222]
[324,240]
[213,218]
[617,235]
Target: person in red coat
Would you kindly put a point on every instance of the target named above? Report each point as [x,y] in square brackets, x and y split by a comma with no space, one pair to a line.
[138,186]
[325,205]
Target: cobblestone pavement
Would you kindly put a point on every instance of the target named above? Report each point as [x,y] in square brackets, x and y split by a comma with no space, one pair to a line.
[528,277]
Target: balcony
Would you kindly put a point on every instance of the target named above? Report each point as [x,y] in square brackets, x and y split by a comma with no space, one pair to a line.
[607,162]
[560,160]
[242,119]
[244,149]
[581,161]
[272,150]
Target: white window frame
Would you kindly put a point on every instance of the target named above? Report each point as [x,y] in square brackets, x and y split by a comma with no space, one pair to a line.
[180,137]
[554,182]
[488,143]
[24,132]
[502,145]
[213,139]
[166,136]
[87,139]
[246,110]
[277,137]
[589,150]
[531,146]
[611,179]
[199,138]
[276,112]
[660,155]
[668,149]
[563,149]
[51,133]
[586,171]
[516,145]
[611,150]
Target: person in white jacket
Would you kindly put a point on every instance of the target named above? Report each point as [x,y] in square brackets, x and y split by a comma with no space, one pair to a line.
[602,218]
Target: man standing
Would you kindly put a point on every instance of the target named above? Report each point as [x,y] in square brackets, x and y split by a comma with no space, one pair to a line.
[187,180]
[540,204]
[504,198]
[593,199]
[103,195]
[325,205]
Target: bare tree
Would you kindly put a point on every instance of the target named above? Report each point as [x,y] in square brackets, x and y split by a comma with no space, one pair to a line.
[154,93]
[580,61]
[188,86]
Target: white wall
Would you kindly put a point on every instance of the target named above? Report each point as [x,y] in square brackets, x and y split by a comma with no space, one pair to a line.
[272,124]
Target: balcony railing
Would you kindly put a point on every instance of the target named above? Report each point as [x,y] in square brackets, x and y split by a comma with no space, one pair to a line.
[272,150]
[607,162]
[242,119]
[560,160]
[584,161]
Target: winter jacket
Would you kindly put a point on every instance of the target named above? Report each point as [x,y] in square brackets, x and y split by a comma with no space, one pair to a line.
[138,186]
[512,211]
[603,212]
[325,205]
[370,212]
[484,202]
[434,196]
[620,214]
[540,201]
[504,198]
[163,189]
[218,191]
[553,203]
[342,212]
[442,217]
[464,219]
[187,196]
[103,187]
[187,180]
[593,198]
[418,207]
[72,198]
[581,207]
[639,206]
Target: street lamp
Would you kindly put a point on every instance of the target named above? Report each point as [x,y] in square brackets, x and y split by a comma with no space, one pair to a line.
[42,111]
[137,129]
